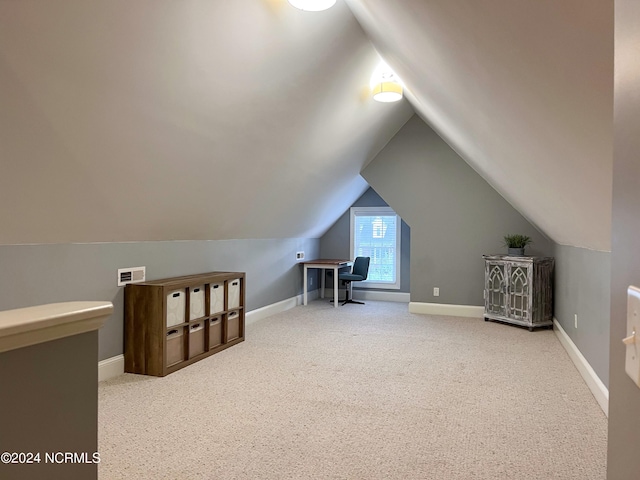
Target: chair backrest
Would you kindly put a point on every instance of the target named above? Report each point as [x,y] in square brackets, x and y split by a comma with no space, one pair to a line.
[361,267]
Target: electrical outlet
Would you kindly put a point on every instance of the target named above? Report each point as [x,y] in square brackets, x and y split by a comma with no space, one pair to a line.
[436,291]
[299,255]
[575,320]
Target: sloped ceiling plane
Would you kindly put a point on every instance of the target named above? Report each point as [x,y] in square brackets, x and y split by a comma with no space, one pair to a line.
[163,120]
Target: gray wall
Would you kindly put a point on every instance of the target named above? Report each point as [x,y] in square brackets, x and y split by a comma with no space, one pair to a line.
[582,287]
[335,243]
[38,274]
[49,403]
[624,396]
[455,216]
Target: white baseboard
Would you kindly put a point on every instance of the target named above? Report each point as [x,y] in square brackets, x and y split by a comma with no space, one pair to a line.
[401,297]
[110,368]
[389,296]
[114,366]
[471,311]
[268,310]
[598,389]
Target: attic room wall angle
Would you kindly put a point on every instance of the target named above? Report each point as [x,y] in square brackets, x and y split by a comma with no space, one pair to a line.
[40,274]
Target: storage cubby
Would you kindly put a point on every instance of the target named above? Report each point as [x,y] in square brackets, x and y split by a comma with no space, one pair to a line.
[175,308]
[233,294]
[173,322]
[196,339]
[233,326]
[215,332]
[196,302]
[175,346]
[216,298]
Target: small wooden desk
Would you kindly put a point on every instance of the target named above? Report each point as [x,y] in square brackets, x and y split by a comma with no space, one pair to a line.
[323,264]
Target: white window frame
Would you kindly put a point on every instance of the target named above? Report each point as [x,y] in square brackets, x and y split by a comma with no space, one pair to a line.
[369,212]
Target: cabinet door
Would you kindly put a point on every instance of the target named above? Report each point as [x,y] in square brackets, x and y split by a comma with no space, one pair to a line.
[495,301]
[519,304]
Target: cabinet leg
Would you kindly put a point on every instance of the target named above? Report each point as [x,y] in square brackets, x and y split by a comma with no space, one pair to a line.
[531,329]
[486,319]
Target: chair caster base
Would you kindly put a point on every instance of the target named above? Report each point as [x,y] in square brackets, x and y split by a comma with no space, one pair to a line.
[344,302]
[352,301]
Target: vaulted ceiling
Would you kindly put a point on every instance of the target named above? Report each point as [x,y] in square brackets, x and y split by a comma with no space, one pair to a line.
[129,120]
[522,90]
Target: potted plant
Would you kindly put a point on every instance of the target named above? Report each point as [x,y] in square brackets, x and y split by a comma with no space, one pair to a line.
[516,243]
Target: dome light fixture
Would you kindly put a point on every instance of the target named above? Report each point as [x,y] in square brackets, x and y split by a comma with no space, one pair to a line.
[387,88]
[313,5]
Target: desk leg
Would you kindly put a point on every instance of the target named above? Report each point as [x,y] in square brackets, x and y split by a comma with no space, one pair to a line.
[335,287]
[322,280]
[304,286]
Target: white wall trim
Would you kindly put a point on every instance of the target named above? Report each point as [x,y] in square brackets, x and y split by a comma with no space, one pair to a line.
[598,389]
[114,366]
[263,312]
[470,311]
[389,296]
[278,307]
[110,368]
[400,297]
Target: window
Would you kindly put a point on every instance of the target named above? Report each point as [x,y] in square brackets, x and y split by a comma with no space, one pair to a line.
[375,233]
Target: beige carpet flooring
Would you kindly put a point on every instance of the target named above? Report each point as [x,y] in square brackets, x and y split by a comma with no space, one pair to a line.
[362,392]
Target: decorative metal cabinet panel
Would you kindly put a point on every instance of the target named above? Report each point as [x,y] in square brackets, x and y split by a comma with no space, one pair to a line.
[519,290]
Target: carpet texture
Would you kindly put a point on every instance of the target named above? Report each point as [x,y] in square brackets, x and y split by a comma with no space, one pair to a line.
[360,392]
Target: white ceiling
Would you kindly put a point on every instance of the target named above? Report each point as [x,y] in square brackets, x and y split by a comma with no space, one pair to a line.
[160,120]
[522,90]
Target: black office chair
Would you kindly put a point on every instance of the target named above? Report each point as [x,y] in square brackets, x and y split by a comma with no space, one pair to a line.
[358,273]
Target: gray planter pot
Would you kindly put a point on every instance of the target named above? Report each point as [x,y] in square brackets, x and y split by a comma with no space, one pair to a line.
[516,252]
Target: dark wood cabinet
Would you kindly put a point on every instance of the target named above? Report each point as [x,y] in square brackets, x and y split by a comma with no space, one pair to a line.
[174,322]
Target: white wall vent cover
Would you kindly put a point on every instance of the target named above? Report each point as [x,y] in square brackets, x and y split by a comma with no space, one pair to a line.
[131,275]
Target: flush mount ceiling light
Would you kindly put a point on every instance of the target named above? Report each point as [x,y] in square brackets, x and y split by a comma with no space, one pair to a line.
[387,88]
[313,5]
